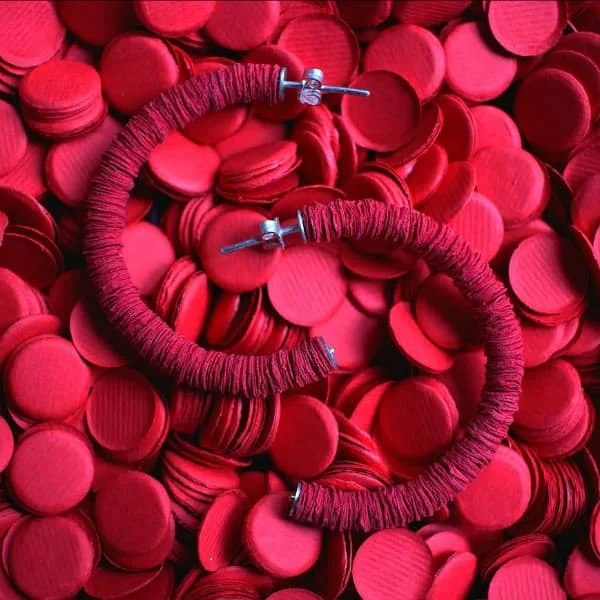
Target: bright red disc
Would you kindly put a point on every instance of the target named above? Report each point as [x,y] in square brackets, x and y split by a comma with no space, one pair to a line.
[50,557]
[45,379]
[500,495]
[394,564]
[527,27]
[132,514]
[552,96]
[7,444]
[356,337]
[480,223]
[52,469]
[14,138]
[172,19]
[475,68]
[425,69]
[127,81]
[304,418]
[277,544]
[240,25]
[413,343]
[121,409]
[148,254]
[444,314]
[390,118]
[526,578]
[183,166]
[308,286]
[494,127]
[323,40]
[417,419]
[220,535]
[547,274]
[239,271]
[514,181]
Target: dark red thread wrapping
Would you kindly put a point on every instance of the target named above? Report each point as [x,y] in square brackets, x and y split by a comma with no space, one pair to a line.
[445,251]
[196,367]
[155,341]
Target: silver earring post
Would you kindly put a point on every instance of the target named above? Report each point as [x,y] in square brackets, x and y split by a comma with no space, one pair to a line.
[271,236]
[311,88]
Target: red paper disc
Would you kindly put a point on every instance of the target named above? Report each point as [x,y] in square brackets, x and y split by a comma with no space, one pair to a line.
[183,166]
[514,181]
[455,578]
[45,379]
[494,127]
[444,314]
[429,12]
[148,254]
[127,81]
[559,384]
[458,135]
[355,336]
[17,299]
[394,564]
[552,96]
[584,207]
[50,557]
[109,583]
[582,574]
[240,25]
[121,409]
[417,419]
[275,543]
[25,329]
[14,138]
[30,34]
[453,193]
[547,275]
[425,69]
[132,514]
[527,27]
[585,42]
[191,307]
[308,286]
[172,19]
[25,210]
[220,534]
[500,495]
[480,223]
[96,22]
[584,69]
[240,271]
[52,469]
[390,117]
[412,342]
[526,578]
[27,176]
[304,418]
[7,444]
[93,337]
[427,174]
[475,68]
[294,594]
[70,164]
[323,40]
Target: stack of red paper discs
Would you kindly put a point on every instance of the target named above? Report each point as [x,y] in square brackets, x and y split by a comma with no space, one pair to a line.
[118,484]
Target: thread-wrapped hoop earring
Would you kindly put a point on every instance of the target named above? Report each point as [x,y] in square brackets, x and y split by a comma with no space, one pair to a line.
[260,376]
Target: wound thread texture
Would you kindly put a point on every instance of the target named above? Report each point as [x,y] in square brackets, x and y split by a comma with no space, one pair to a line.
[155,341]
[415,500]
[253,377]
